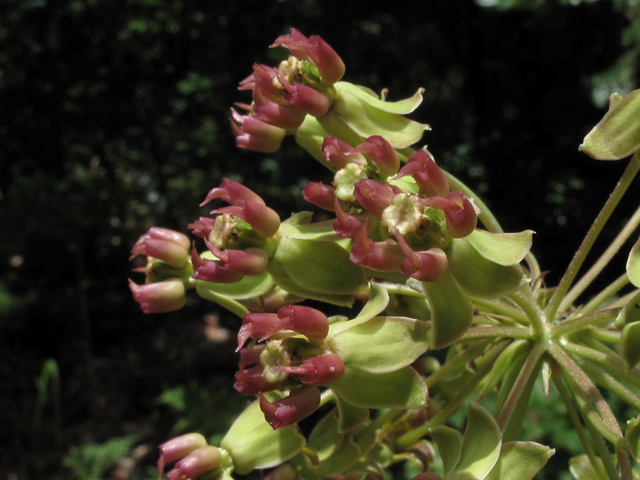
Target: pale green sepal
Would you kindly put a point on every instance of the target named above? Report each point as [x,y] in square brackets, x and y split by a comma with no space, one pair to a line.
[481,444]
[288,285]
[401,107]
[629,345]
[364,117]
[478,276]
[248,287]
[378,301]
[581,468]
[520,460]
[321,267]
[630,312]
[449,442]
[617,135]
[254,444]
[633,265]
[344,457]
[205,291]
[632,436]
[322,231]
[502,248]
[404,388]
[350,416]
[451,310]
[324,438]
[310,136]
[382,344]
[517,349]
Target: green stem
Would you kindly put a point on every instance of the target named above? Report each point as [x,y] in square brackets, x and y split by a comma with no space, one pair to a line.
[597,318]
[493,332]
[575,419]
[603,335]
[606,294]
[622,301]
[602,262]
[592,235]
[500,308]
[456,361]
[523,298]
[528,369]
[609,382]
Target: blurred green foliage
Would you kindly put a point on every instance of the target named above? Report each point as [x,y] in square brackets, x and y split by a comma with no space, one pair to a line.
[114,118]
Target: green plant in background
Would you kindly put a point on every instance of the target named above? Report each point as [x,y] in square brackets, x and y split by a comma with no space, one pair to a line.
[417,263]
[91,461]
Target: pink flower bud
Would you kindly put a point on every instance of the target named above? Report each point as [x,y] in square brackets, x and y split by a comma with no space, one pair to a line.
[253,134]
[159,297]
[310,322]
[250,381]
[196,463]
[212,270]
[381,153]
[347,225]
[320,195]
[427,175]
[178,448]
[298,405]
[426,266]
[302,97]
[318,370]
[315,49]
[383,256]
[273,113]
[233,193]
[374,196]
[252,261]
[255,325]
[459,212]
[340,153]
[202,227]
[167,245]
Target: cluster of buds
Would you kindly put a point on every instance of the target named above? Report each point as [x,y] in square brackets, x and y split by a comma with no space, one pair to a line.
[293,354]
[194,457]
[396,225]
[282,97]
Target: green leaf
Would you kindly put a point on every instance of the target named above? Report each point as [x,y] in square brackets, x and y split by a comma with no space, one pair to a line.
[248,287]
[520,460]
[502,248]
[632,435]
[350,416]
[403,388]
[451,310]
[382,344]
[581,468]
[629,345]
[378,301]
[481,444]
[633,265]
[401,107]
[324,438]
[253,443]
[449,442]
[363,114]
[630,312]
[478,276]
[342,458]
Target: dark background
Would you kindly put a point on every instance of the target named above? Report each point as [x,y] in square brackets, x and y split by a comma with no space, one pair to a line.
[113,118]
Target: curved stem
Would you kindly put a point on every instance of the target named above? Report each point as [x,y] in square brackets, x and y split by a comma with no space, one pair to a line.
[580,256]
[597,267]
[501,309]
[455,362]
[605,294]
[492,332]
[573,325]
[523,298]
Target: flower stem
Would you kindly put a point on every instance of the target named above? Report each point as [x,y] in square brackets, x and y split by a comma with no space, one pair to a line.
[580,256]
[524,299]
[500,332]
[613,288]
[597,318]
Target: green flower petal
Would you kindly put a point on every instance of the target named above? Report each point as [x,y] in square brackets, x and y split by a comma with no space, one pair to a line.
[502,248]
[521,460]
[449,442]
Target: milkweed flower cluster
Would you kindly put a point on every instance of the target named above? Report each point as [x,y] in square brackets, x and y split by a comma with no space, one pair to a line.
[419,262]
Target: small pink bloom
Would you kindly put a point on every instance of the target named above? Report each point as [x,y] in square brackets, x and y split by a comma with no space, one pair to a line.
[298,405]
[233,193]
[302,97]
[212,270]
[315,49]
[427,174]
[347,225]
[340,153]
[318,370]
[426,266]
[253,134]
[167,245]
[252,261]
[178,448]
[383,256]
[159,297]
[196,463]
[249,381]
[308,321]
[381,153]
[202,227]
[459,212]
[273,113]
[374,196]
[255,325]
